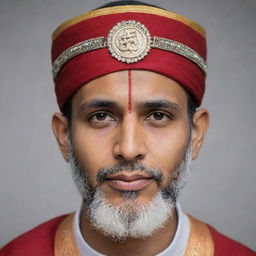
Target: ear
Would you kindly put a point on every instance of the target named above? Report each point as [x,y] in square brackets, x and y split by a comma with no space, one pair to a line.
[200,127]
[60,130]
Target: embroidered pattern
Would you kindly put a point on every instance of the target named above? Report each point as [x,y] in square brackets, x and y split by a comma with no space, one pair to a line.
[128,41]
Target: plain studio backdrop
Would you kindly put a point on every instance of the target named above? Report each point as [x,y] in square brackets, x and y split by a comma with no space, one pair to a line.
[35,182]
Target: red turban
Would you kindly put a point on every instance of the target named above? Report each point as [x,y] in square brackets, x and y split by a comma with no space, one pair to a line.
[124,38]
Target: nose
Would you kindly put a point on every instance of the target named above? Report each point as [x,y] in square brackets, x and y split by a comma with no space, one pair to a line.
[130,145]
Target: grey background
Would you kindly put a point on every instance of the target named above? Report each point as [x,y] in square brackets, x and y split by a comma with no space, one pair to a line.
[35,183]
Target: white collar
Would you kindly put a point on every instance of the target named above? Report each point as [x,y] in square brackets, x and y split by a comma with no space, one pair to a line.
[177,246]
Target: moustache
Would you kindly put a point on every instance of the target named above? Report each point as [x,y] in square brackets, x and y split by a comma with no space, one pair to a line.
[154,173]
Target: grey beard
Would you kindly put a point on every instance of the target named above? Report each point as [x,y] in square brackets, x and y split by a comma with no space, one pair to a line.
[129,219]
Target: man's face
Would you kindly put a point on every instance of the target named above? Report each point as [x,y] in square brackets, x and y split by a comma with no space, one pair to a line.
[136,117]
[129,145]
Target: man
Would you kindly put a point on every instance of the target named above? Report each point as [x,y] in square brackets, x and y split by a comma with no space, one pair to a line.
[128,79]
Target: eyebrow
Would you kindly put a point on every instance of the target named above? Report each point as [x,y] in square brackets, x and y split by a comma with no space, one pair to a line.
[98,103]
[150,104]
[160,103]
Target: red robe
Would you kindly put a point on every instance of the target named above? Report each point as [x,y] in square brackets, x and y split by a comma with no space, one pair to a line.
[40,242]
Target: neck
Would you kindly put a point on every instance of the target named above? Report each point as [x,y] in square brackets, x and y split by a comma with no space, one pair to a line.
[152,245]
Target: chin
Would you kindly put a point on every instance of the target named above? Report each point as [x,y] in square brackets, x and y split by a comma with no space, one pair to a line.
[131,218]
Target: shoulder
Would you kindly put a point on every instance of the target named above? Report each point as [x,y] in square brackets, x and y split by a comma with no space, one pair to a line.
[224,245]
[37,242]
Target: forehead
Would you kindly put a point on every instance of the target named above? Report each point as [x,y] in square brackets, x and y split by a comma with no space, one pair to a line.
[144,85]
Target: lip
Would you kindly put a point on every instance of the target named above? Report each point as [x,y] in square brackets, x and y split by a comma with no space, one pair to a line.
[132,182]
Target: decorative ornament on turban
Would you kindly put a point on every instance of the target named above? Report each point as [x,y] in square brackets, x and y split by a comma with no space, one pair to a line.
[128,37]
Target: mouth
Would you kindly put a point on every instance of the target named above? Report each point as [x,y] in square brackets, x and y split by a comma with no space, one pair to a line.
[125,182]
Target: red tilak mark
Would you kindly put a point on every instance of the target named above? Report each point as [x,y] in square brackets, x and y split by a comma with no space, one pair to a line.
[129,91]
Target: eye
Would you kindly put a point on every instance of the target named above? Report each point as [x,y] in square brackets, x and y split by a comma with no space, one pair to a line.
[101,119]
[159,116]
[101,116]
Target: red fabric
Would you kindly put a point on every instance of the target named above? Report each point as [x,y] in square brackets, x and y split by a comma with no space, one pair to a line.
[225,246]
[86,67]
[36,242]
[101,25]
[40,242]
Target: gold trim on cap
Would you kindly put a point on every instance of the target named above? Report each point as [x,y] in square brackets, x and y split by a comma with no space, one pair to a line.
[129,8]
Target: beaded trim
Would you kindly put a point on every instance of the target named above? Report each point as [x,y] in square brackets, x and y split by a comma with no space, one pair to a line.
[77,49]
[116,51]
[179,48]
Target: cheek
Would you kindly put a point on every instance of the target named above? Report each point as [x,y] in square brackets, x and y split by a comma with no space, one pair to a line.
[91,150]
[168,147]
